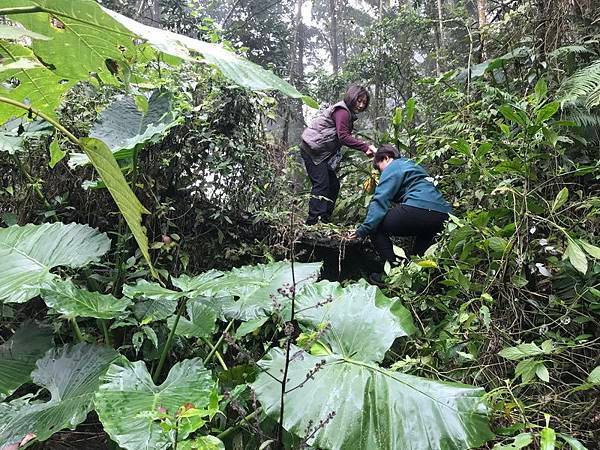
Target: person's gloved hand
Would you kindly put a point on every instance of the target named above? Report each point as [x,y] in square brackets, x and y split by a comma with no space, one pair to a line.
[352,236]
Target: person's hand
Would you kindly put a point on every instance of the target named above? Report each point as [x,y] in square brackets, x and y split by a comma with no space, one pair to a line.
[352,236]
[371,151]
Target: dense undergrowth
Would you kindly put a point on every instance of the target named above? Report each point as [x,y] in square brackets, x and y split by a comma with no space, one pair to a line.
[490,340]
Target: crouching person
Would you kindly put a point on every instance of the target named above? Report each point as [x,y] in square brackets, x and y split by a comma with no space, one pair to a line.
[420,209]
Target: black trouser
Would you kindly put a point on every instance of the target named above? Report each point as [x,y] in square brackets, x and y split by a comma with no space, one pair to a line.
[404,220]
[325,189]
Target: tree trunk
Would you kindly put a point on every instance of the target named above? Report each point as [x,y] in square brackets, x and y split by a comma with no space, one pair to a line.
[333,36]
[378,81]
[148,12]
[294,66]
[482,15]
[441,39]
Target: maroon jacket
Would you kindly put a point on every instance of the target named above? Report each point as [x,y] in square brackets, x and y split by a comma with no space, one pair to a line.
[329,131]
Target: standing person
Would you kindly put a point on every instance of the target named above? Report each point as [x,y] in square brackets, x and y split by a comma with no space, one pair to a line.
[420,209]
[321,150]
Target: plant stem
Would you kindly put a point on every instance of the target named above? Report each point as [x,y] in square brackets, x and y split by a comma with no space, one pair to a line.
[232,428]
[21,10]
[30,179]
[76,330]
[44,116]
[167,347]
[107,340]
[288,344]
[218,344]
[217,354]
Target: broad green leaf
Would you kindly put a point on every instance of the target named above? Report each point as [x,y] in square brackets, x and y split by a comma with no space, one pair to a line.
[514,115]
[521,441]
[29,84]
[527,369]
[28,253]
[542,372]
[363,405]
[152,291]
[541,89]
[72,376]
[19,354]
[561,199]
[14,133]
[202,443]
[195,286]
[258,287]
[129,205]
[122,126]
[547,346]
[82,36]
[573,443]
[66,299]
[547,439]
[56,154]
[359,309]
[151,310]
[497,244]
[15,33]
[521,351]
[238,69]
[548,111]
[374,408]
[250,326]
[128,401]
[22,63]
[200,321]
[398,117]
[594,376]
[576,256]
[591,250]
[410,109]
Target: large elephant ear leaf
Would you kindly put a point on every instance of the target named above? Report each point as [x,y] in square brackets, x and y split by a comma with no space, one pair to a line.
[200,322]
[75,25]
[238,69]
[70,301]
[362,405]
[19,354]
[359,322]
[126,124]
[128,403]
[72,376]
[28,253]
[24,79]
[259,288]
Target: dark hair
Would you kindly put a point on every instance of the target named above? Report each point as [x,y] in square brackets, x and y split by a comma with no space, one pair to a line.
[385,151]
[353,93]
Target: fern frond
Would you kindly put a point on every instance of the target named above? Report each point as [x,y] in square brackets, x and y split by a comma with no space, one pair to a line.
[580,86]
[570,49]
[593,99]
[582,117]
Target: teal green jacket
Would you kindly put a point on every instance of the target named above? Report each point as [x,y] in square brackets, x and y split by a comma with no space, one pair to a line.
[402,181]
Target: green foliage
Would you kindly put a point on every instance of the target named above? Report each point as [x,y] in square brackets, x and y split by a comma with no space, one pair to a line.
[71,375]
[130,405]
[71,302]
[28,253]
[199,323]
[32,83]
[19,354]
[361,325]
[128,124]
